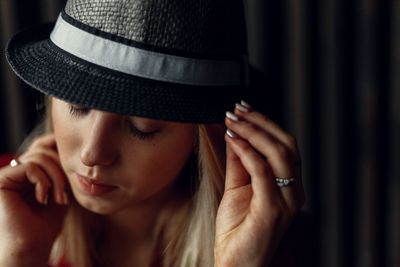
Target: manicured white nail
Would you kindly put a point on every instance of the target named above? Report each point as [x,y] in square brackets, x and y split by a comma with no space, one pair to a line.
[241,107]
[231,133]
[247,105]
[232,116]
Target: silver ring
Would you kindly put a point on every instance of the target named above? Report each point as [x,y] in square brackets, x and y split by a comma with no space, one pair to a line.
[285,182]
[14,163]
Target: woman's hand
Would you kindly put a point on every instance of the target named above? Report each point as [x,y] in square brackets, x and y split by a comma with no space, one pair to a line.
[255,212]
[30,215]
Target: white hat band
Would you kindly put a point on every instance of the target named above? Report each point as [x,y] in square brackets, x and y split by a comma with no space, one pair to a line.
[142,63]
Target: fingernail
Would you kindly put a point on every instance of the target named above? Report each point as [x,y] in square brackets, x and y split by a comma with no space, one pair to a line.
[232,116]
[241,107]
[231,133]
[65,198]
[247,105]
[46,200]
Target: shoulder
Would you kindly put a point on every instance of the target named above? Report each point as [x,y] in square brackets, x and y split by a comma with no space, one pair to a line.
[298,246]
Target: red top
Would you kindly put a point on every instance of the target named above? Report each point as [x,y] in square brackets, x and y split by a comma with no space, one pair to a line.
[63,263]
[5,159]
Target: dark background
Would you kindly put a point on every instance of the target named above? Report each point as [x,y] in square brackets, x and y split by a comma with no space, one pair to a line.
[329,72]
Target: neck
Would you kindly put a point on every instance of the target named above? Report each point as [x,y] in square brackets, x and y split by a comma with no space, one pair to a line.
[133,235]
[135,224]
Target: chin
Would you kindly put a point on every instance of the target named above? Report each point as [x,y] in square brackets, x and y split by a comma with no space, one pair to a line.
[96,205]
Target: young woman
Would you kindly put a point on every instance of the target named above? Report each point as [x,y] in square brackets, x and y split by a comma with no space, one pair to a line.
[138,166]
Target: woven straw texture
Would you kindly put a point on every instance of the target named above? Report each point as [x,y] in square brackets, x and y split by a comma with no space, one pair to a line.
[206,27]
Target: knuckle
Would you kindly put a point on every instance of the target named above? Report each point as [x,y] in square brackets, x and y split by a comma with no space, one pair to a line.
[261,117]
[251,127]
[36,142]
[30,167]
[246,148]
[41,157]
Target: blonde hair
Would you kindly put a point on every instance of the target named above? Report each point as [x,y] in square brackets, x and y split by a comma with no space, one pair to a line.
[186,229]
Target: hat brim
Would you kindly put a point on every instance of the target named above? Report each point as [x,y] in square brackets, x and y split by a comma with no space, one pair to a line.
[47,68]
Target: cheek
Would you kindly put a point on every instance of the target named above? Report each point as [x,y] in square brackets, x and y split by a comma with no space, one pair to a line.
[168,165]
[161,164]
[175,155]
[67,137]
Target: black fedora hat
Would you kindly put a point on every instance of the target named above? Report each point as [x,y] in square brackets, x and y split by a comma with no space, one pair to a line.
[179,60]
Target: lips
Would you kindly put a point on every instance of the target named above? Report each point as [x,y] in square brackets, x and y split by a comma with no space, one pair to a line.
[91,187]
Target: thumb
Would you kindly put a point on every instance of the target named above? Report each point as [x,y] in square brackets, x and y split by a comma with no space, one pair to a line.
[236,174]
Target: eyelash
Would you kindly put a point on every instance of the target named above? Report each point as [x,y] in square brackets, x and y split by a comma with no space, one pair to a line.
[79,112]
[138,133]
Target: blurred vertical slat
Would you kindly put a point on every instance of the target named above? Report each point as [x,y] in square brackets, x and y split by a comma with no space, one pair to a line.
[364,253]
[336,138]
[311,128]
[372,92]
[49,9]
[3,125]
[264,20]
[255,12]
[296,86]
[329,153]
[17,100]
[393,184]
[11,99]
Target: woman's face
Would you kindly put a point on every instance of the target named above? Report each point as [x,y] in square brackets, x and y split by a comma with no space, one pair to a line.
[114,162]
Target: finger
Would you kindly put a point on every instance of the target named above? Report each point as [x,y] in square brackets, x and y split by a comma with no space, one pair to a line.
[47,140]
[42,184]
[236,174]
[290,199]
[267,125]
[262,181]
[294,195]
[40,150]
[281,162]
[277,154]
[55,173]
[19,177]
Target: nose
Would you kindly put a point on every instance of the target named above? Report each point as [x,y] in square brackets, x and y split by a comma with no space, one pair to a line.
[99,146]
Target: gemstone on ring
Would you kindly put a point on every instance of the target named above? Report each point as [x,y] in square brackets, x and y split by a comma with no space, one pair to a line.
[14,163]
[285,182]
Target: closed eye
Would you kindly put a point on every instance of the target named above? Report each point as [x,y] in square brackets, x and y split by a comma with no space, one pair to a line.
[77,111]
[139,133]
